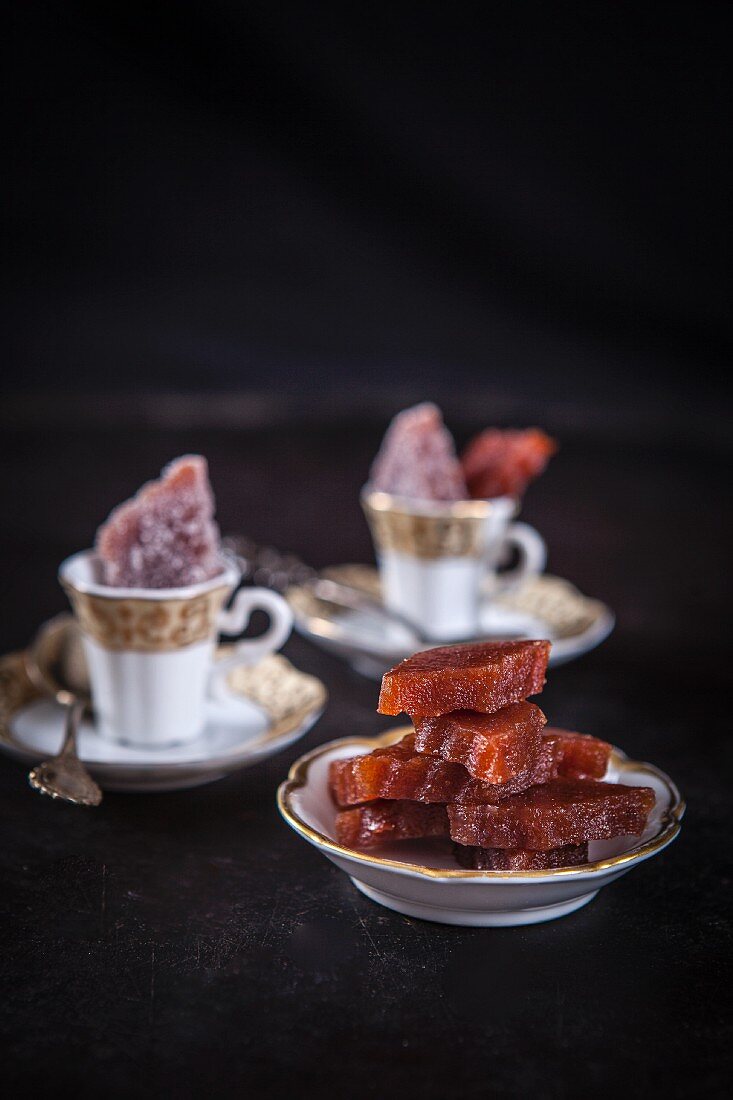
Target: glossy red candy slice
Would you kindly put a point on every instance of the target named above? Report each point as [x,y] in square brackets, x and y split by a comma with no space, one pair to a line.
[492,747]
[396,772]
[520,859]
[418,459]
[165,536]
[563,811]
[483,676]
[577,755]
[502,463]
[378,822]
[400,772]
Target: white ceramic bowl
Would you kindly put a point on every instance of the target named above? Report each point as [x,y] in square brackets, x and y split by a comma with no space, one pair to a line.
[421,878]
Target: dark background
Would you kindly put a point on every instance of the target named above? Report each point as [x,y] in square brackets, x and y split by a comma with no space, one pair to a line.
[256,230]
[522,201]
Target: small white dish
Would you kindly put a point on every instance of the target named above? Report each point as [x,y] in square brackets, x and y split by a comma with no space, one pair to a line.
[420,878]
[541,607]
[271,705]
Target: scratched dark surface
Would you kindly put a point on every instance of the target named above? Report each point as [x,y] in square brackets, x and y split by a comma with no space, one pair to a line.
[189,944]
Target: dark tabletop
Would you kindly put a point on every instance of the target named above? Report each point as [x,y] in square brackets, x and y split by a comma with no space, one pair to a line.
[189,944]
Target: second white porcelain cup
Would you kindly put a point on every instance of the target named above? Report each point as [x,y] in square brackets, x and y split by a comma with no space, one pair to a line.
[437,560]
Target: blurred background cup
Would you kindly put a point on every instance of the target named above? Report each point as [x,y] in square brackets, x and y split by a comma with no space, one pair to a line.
[438,560]
[151,651]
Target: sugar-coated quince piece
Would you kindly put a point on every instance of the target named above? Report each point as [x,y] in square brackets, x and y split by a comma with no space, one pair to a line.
[563,811]
[500,463]
[483,676]
[417,459]
[165,536]
[493,747]
[378,822]
[520,859]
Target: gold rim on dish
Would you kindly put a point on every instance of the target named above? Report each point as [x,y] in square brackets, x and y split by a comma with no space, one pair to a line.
[298,778]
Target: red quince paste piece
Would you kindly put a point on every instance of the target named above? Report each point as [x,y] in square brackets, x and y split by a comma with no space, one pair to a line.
[493,747]
[483,676]
[396,772]
[165,536]
[418,459]
[577,755]
[400,772]
[378,822]
[520,859]
[502,463]
[563,811]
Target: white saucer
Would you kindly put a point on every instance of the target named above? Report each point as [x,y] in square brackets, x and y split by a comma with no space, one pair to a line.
[421,877]
[272,705]
[543,607]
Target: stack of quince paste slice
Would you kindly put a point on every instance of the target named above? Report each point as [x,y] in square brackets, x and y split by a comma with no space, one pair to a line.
[482,767]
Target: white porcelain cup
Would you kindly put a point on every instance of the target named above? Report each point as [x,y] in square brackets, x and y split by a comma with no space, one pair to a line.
[150,651]
[438,560]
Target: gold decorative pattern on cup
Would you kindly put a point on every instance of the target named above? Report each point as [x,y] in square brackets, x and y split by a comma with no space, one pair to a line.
[456,530]
[147,626]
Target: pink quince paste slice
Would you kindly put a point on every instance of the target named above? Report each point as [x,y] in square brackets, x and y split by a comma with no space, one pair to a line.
[165,536]
[417,459]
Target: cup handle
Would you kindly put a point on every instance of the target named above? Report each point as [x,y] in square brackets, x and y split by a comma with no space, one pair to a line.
[249,651]
[532,555]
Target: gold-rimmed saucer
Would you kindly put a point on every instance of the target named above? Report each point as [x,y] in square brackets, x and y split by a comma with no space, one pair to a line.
[273,704]
[541,607]
[421,878]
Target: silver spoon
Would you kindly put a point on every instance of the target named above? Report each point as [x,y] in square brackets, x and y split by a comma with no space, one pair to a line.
[54,663]
[64,776]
